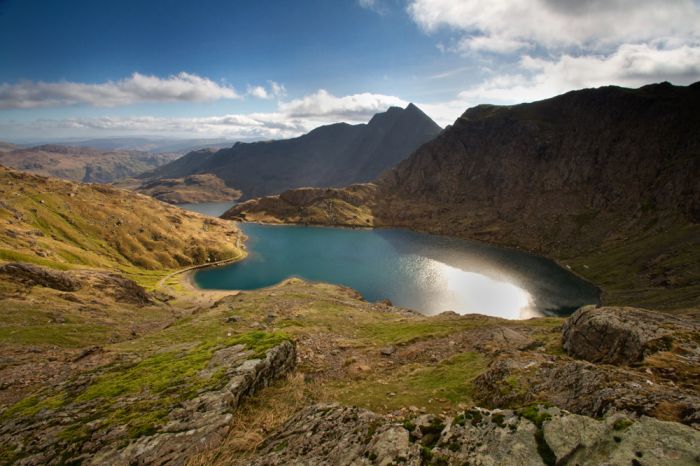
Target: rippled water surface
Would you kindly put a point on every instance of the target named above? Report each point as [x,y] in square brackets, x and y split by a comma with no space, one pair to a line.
[430,274]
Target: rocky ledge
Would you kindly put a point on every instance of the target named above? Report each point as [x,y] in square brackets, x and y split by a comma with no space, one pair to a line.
[75,428]
[536,435]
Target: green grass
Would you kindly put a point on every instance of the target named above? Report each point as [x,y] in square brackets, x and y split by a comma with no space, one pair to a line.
[140,396]
[16,256]
[392,329]
[447,384]
[622,269]
[174,371]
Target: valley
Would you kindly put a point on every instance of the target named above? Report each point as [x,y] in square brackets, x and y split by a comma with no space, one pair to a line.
[112,355]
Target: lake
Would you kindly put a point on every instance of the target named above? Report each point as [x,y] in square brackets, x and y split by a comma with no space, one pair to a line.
[427,273]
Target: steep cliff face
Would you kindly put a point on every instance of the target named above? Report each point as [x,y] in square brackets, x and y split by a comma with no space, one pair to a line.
[333,155]
[561,165]
[603,179]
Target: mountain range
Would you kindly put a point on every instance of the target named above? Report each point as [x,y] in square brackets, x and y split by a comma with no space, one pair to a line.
[604,180]
[332,155]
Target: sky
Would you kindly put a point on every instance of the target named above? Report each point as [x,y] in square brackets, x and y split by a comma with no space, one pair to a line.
[260,69]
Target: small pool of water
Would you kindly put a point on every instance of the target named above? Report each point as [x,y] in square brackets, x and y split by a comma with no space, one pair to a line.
[430,274]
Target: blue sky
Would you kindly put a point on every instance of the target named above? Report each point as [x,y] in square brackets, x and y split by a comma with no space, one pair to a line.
[264,69]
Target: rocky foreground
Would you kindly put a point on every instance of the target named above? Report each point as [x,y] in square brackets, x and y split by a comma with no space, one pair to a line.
[311,374]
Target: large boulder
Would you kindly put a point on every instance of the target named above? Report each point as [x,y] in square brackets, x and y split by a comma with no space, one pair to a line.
[622,335]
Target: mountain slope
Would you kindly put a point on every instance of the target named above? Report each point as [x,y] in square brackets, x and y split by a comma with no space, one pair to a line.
[333,155]
[63,224]
[603,179]
[82,163]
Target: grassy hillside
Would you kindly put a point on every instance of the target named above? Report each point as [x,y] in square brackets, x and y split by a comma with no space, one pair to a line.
[66,225]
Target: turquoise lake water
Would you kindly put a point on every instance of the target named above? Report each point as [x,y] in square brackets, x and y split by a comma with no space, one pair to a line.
[430,274]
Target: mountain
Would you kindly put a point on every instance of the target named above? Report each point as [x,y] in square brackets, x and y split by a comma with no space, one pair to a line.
[6,146]
[111,356]
[140,143]
[82,163]
[604,180]
[333,155]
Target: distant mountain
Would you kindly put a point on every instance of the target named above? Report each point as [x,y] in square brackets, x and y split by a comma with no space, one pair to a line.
[84,164]
[604,180]
[6,146]
[332,155]
[153,145]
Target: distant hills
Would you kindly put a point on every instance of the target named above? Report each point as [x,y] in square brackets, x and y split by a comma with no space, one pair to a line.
[84,164]
[605,180]
[136,143]
[332,155]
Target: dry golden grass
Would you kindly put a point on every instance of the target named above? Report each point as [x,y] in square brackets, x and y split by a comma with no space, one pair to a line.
[67,225]
[261,415]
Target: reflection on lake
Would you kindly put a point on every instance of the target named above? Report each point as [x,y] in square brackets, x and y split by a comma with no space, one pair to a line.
[430,274]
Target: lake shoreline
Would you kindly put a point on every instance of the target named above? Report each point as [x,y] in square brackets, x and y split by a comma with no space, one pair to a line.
[398,258]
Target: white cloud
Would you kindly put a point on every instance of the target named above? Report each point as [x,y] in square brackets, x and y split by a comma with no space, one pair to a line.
[590,24]
[540,48]
[492,44]
[356,107]
[375,5]
[135,89]
[539,78]
[629,66]
[274,90]
[291,119]
[258,91]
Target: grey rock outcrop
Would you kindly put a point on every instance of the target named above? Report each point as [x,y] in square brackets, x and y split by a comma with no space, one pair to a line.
[621,335]
[334,434]
[36,275]
[190,425]
[517,379]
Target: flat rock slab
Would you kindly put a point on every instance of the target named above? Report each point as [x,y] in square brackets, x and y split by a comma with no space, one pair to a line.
[334,434]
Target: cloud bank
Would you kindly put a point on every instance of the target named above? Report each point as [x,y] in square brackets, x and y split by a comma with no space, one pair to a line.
[290,119]
[138,88]
[534,49]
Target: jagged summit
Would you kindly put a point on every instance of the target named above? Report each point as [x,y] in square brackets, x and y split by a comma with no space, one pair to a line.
[330,155]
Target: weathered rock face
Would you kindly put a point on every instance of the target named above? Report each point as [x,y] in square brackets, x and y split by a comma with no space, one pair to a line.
[624,335]
[333,434]
[122,289]
[517,379]
[197,422]
[33,275]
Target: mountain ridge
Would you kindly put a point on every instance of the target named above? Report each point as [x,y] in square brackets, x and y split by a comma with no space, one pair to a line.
[603,180]
[330,155]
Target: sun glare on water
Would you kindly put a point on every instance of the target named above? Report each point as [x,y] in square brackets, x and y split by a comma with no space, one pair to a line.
[470,292]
